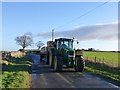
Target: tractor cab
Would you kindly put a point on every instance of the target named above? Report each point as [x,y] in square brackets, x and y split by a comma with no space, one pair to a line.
[64,43]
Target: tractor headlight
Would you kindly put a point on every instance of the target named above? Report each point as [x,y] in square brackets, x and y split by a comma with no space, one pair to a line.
[70,56]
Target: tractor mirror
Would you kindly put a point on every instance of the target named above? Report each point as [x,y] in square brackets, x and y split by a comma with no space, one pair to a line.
[77,42]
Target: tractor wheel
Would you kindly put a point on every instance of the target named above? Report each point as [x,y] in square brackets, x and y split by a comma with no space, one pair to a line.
[58,63]
[50,59]
[79,64]
[47,58]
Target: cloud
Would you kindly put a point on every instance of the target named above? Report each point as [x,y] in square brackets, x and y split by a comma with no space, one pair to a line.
[107,31]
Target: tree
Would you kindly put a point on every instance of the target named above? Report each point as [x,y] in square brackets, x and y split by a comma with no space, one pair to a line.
[24,41]
[91,49]
[39,44]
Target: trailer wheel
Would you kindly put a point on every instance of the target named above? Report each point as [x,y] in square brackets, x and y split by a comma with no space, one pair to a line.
[58,63]
[79,64]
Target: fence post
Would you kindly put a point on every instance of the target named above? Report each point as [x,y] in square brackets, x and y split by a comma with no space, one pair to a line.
[103,60]
[87,58]
[95,59]
[100,61]
[112,63]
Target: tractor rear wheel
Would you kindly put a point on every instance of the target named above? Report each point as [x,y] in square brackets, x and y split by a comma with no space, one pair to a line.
[79,64]
[58,63]
[51,59]
[48,61]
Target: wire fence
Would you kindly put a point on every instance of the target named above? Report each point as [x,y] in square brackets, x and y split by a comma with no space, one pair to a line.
[103,61]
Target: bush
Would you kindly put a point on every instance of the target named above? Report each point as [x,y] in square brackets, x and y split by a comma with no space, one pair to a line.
[17,54]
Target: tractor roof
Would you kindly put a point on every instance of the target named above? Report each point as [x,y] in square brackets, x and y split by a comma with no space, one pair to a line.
[67,39]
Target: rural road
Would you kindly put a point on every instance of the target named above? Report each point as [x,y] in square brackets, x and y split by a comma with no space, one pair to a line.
[44,77]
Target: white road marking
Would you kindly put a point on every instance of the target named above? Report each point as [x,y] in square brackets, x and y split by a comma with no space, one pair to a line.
[65,80]
[113,85]
[33,71]
[43,79]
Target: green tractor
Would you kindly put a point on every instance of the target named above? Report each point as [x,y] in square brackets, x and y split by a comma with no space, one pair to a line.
[61,54]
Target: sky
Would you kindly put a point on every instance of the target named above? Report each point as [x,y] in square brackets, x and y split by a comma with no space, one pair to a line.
[98,29]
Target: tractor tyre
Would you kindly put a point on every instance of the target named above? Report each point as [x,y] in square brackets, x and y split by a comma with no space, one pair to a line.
[79,64]
[58,63]
[47,59]
[50,60]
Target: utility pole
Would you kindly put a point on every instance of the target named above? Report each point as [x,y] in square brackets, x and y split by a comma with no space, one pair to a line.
[52,34]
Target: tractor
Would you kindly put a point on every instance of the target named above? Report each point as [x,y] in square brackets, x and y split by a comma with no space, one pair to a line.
[60,54]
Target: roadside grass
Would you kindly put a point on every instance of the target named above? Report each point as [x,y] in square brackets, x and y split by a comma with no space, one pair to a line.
[111,74]
[19,79]
[17,73]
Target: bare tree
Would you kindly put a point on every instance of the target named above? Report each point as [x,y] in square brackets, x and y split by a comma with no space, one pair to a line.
[24,41]
[39,44]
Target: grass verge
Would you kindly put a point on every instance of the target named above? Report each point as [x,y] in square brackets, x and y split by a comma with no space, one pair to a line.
[16,79]
[106,72]
[17,73]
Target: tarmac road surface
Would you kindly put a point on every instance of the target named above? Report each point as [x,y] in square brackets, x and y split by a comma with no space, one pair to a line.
[45,77]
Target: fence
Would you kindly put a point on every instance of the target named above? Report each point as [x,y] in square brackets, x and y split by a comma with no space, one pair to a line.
[103,61]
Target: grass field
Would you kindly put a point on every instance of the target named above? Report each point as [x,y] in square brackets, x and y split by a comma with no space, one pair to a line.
[17,73]
[106,57]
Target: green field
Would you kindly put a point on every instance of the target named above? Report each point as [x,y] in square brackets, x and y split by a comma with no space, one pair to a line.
[106,57]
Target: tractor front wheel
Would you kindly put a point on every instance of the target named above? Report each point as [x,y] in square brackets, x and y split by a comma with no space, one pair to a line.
[57,63]
[79,63]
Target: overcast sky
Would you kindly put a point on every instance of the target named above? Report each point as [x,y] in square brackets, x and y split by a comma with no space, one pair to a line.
[107,31]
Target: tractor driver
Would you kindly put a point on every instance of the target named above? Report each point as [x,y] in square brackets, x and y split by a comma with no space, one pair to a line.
[63,46]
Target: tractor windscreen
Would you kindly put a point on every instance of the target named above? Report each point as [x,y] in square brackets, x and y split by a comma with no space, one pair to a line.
[65,43]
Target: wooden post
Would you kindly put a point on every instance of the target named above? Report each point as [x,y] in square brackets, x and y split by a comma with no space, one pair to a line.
[112,63]
[95,59]
[103,60]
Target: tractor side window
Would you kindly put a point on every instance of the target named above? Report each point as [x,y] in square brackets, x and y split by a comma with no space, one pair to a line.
[57,46]
[60,43]
[70,44]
